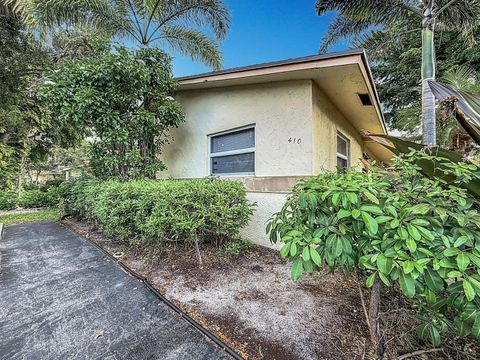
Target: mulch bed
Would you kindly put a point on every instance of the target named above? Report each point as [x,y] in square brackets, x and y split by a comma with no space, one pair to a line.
[250,302]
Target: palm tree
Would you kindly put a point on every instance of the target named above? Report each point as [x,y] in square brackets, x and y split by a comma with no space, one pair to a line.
[357,17]
[179,24]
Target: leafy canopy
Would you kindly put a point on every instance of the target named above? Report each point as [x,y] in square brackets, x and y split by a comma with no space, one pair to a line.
[121,99]
[400,227]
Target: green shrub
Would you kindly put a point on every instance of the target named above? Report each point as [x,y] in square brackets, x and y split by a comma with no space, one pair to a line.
[393,228]
[8,200]
[236,246]
[38,198]
[149,213]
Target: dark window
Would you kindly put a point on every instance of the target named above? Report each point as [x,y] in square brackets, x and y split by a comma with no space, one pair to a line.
[343,151]
[233,164]
[233,153]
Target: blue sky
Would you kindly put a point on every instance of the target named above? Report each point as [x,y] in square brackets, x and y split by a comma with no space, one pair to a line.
[265,30]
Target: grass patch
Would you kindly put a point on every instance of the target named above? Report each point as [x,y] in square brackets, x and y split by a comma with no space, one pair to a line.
[22,218]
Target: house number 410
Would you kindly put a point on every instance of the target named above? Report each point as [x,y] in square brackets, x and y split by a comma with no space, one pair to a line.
[295,140]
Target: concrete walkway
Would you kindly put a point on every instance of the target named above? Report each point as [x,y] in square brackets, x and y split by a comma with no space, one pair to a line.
[57,292]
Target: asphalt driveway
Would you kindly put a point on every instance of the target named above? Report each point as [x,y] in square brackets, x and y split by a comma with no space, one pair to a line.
[58,293]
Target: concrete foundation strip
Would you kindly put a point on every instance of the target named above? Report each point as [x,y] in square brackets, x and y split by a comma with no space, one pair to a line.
[171,305]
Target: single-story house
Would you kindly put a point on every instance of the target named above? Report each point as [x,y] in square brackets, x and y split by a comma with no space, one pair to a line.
[271,124]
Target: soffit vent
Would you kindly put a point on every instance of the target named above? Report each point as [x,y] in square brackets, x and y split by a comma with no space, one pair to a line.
[365,99]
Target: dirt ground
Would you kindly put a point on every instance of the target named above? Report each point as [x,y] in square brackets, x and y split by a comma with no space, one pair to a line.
[251,303]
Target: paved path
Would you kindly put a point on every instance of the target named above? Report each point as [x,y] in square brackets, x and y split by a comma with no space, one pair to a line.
[57,290]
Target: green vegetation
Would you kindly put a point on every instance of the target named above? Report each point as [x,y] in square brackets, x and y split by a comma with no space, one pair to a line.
[237,246]
[150,213]
[383,22]
[29,198]
[43,36]
[26,217]
[393,228]
[396,69]
[125,99]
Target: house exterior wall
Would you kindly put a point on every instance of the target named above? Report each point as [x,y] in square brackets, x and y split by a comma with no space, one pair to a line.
[295,110]
[327,121]
[279,111]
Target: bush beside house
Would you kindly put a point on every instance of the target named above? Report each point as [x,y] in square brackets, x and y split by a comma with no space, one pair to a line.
[393,228]
[148,213]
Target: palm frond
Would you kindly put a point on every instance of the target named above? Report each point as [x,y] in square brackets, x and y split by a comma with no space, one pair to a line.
[356,19]
[460,15]
[465,106]
[194,44]
[463,78]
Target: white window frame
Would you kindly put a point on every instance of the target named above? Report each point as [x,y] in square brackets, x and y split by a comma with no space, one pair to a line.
[347,141]
[232,152]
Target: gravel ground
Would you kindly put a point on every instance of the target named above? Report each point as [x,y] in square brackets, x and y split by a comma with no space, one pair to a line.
[250,301]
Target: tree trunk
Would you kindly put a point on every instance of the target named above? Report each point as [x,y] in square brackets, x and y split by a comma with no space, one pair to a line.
[428,73]
[197,252]
[373,312]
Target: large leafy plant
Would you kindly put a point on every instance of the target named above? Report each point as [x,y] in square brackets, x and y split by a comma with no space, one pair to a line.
[392,228]
[123,101]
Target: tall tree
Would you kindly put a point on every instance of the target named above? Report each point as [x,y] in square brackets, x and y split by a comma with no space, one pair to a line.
[357,17]
[397,71]
[182,25]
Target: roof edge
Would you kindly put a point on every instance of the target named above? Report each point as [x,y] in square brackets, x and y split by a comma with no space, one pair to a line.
[304,59]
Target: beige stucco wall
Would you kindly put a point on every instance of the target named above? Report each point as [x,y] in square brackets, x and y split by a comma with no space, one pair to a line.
[327,120]
[266,205]
[280,111]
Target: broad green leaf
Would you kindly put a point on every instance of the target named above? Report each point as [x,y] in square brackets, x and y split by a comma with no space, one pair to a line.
[371,197]
[408,266]
[370,223]
[451,252]
[384,264]
[427,234]
[462,261]
[370,280]
[338,248]
[383,219]
[394,223]
[342,213]
[315,256]
[297,269]
[285,250]
[475,259]
[420,209]
[430,297]
[384,279]
[407,284]
[414,233]
[422,332]
[335,198]
[356,213]
[434,335]
[476,328]
[293,249]
[306,253]
[373,209]
[460,241]
[454,274]
[412,245]
[462,327]
[468,290]
[474,282]
[308,265]
[433,280]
